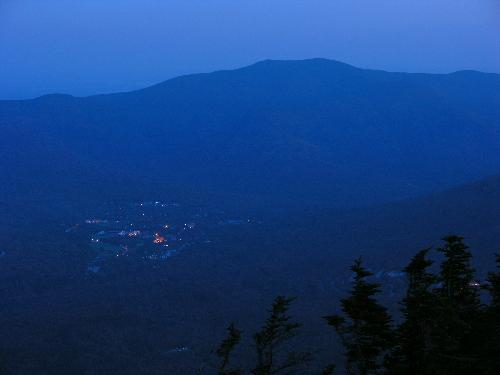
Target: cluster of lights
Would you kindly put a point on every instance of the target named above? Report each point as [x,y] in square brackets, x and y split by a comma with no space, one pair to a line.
[134,233]
[95,221]
[165,247]
[158,238]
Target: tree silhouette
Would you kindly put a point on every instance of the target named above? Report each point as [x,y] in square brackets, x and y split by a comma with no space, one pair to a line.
[457,275]
[271,342]
[488,337]
[494,287]
[444,330]
[225,350]
[457,310]
[366,331]
[411,352]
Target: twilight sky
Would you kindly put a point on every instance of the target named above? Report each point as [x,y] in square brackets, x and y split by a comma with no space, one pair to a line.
[84,47]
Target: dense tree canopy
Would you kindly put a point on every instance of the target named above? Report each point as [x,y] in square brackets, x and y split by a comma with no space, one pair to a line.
[448,325]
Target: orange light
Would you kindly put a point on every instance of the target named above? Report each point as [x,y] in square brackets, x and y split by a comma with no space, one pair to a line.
[158,238]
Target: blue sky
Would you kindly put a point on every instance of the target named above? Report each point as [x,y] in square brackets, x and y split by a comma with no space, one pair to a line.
[93,46]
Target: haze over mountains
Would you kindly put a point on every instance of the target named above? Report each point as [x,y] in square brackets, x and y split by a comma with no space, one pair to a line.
[281,131]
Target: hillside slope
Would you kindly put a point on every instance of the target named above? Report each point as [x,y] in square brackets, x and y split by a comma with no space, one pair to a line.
[313,130]
[188,300]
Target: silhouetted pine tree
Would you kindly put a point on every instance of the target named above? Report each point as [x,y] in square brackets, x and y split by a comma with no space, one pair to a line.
[225,350]
[488,337]
[494,287]
[411,353]
[366,331]
[271,341]
[458,309]
[457,275]
[445,329]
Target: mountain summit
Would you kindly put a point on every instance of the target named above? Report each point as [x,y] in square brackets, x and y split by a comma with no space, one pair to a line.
[311,130]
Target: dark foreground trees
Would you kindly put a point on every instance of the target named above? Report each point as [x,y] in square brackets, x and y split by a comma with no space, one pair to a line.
[412,339]
[273,352]
[272,339]
[225,350]
[365,330]
[449,324]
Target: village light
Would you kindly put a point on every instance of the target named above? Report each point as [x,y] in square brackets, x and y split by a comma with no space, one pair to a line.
[158,238]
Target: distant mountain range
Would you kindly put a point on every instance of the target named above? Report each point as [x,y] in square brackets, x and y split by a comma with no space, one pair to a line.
[281,131]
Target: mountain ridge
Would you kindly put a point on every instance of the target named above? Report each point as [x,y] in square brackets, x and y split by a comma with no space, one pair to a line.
[346,134]
[258,64]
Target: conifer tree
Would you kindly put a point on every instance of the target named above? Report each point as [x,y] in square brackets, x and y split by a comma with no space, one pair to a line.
[494,287]
[411,353]
[457,275]
[458,309]
[365,330]
[445,329]
[225,350]
[489,351]
[271,342]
